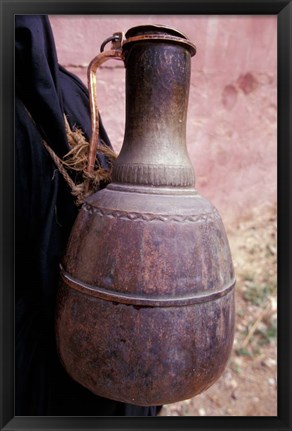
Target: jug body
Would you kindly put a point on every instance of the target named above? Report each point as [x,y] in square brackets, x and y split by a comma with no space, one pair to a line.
[145,309]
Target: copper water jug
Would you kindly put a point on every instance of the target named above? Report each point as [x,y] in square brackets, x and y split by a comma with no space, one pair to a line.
[146,302]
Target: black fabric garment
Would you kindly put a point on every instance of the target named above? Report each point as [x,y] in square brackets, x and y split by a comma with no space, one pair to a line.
[45,213]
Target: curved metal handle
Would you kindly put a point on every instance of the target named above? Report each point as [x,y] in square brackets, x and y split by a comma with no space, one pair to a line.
[114,53]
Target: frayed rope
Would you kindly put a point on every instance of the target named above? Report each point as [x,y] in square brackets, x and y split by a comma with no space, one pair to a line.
[76,160]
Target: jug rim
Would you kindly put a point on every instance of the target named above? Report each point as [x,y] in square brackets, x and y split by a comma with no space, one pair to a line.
[158,32]
[153,28]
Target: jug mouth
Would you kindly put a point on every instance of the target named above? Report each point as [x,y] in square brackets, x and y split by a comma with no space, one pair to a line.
[157,32]
[153,28]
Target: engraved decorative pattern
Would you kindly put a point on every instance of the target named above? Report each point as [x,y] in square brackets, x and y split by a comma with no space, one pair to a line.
[149,217]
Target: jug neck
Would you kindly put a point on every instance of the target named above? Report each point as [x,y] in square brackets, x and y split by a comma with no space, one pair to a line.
[157,89]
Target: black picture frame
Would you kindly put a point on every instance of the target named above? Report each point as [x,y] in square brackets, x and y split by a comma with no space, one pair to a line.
[283,10]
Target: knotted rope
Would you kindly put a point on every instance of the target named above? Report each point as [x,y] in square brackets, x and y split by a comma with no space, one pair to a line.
[77,160]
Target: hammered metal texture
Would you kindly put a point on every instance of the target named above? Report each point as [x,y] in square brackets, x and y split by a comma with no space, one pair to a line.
[145,311]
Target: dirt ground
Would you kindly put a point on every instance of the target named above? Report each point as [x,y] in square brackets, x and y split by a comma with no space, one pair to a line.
[248,386]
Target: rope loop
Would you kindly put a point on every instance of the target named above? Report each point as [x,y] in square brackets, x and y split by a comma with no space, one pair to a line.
[76,160]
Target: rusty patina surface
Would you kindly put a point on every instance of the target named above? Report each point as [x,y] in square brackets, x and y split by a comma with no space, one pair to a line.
[146,302]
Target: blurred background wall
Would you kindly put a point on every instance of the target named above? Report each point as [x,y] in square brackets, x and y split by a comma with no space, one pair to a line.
[231,127]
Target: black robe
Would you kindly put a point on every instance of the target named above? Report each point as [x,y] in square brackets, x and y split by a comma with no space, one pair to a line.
[45,213]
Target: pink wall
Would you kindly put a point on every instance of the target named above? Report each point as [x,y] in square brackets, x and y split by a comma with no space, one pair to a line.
[231,129]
